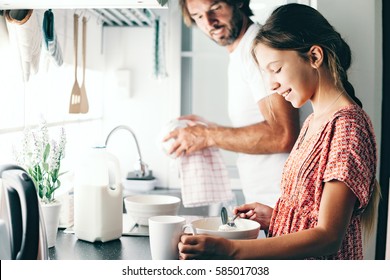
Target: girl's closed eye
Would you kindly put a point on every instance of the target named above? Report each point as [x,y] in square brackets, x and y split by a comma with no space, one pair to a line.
[278,70]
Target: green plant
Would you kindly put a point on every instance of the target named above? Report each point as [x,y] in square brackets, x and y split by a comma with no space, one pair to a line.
[41,158]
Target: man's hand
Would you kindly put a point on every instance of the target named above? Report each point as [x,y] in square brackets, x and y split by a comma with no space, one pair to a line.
[189,139]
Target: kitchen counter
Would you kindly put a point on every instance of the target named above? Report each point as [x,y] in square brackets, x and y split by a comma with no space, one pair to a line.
[130,246]
[69,247]
[133,246]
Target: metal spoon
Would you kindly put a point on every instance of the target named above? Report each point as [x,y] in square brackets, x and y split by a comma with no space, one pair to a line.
[232,223]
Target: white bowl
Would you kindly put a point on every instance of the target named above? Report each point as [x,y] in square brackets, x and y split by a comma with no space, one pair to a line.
[140,208]
[246,229]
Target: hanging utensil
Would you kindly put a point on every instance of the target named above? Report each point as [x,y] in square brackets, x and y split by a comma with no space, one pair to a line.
[84,106]
[75,97]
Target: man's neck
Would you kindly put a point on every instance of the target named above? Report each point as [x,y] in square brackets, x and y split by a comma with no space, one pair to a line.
[245,25]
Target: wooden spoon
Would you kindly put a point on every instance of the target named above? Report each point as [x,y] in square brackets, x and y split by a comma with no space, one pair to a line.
[84,106]
[75,97]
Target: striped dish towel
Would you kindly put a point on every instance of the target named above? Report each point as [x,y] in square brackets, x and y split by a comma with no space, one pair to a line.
[204,178]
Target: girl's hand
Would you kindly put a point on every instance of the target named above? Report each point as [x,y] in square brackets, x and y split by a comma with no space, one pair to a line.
[255,211]
[204,247]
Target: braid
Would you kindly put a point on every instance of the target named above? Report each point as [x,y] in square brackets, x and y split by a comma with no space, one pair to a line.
[343,59]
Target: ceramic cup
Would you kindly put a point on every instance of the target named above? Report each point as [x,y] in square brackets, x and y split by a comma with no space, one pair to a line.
[164,235]
[189,229]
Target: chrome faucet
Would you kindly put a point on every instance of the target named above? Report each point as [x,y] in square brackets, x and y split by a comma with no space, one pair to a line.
[143,170]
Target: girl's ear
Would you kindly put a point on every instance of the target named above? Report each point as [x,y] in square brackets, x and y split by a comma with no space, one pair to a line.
[316,55]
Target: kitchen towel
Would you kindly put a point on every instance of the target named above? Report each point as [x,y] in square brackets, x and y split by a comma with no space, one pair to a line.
[203,175]
[159,50]
[25,34]
[50,38]
[3,32]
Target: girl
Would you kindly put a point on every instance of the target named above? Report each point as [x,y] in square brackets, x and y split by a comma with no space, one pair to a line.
[328,184]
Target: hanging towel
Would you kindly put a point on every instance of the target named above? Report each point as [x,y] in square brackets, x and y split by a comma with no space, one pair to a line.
[3,32]
[204,178]
[159,50]
[203,175]
[26,35]
[50,38]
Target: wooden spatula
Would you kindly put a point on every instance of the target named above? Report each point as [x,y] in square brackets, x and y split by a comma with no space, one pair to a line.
[84,107]
[75,97]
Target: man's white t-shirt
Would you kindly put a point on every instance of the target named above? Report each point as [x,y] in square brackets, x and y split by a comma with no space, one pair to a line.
[260,175]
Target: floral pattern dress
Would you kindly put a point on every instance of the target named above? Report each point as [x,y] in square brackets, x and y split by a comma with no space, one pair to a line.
[343,149]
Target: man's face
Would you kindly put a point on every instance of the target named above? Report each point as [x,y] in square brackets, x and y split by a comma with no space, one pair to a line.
[217,19]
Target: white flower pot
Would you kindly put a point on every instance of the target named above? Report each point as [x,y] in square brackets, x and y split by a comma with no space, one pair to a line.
[51,216]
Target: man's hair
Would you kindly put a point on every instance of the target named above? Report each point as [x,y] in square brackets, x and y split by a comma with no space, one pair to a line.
[243,5]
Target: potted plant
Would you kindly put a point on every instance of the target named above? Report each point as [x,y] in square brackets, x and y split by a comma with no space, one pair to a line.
[41,157]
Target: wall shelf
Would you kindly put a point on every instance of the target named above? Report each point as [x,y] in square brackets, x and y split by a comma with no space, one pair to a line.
[80,4]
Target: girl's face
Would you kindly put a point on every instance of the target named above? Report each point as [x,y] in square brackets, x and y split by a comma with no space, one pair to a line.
[287,74]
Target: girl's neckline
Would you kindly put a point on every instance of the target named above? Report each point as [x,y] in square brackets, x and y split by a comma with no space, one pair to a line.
[321,128]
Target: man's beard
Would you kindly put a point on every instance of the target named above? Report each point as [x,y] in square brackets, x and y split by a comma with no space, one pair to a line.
[234,29]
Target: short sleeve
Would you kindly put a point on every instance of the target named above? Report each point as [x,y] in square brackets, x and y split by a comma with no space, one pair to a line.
[352,155]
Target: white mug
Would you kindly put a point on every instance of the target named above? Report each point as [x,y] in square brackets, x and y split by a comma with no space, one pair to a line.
[192,229]
[164,235]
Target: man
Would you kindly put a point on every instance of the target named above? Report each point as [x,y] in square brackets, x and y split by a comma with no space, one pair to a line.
[265,126]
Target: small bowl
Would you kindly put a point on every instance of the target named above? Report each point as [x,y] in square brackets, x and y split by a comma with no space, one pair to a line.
[140,208]
[246,229]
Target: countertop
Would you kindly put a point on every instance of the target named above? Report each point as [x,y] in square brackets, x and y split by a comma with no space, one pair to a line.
[69,247]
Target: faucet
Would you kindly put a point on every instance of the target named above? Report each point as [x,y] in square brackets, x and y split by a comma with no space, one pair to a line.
[143,170]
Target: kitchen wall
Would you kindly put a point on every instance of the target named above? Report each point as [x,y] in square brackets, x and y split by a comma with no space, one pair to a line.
[48,92]
[141,104]
[144,104]
[362,29]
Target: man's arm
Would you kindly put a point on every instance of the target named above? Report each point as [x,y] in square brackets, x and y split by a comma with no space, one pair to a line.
[276,134]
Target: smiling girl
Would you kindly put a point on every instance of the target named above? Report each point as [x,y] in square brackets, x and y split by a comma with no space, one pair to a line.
[328,185]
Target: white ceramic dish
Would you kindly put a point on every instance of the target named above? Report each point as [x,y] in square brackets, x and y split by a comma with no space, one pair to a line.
[131,187]
[140,208]
[246,229]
